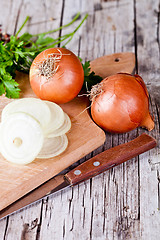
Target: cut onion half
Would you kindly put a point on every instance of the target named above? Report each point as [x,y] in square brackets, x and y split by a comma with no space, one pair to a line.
[21,138]
[63,129]
[53,147]
[57,117]
[32,106]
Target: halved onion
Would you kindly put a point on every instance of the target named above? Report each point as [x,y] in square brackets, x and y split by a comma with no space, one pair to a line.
[32,106]
[57,117]
[21,138]
[63,129]
[53,147]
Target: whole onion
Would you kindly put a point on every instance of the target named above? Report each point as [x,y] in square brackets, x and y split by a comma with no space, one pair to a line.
[120,103]
[56,75]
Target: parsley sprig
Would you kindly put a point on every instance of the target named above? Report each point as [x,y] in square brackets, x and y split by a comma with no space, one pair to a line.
[19,52]
[90,78]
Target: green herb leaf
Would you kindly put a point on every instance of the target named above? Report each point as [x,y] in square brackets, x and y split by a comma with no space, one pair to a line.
[11,88]
[86,68]
[25,37]
[90,78]
[2,89]
[42,40]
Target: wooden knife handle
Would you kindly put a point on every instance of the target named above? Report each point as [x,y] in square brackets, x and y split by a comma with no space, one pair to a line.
[110,158]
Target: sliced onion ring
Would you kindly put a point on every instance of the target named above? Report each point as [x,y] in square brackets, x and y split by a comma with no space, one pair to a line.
[53,147]
[21,138]
[57,117]
[63,129]
[32,106]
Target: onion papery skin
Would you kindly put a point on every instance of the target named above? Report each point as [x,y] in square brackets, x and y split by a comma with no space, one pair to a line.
[64,84]
[122,105]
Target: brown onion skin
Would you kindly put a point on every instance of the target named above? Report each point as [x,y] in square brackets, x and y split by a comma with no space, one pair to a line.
[123,105]
[65,84]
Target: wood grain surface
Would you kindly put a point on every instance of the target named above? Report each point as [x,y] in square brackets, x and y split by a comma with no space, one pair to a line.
[115,63]
[123,203]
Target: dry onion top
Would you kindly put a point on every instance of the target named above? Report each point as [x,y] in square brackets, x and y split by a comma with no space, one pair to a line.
[49,66]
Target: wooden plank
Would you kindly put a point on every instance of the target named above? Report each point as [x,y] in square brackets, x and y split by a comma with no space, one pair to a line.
[147,21]
[108,218]
[21,225]
[105,207]
[24,225]
[148,45]
[9,15]
[20,177]
[123,203]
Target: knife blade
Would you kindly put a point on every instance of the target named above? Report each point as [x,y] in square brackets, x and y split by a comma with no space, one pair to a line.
[92,167]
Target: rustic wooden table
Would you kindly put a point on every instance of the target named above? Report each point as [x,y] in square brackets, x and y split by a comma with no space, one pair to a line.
[123,203]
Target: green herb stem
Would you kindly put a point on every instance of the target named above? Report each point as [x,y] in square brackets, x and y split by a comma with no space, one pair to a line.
[61,27]
[72,34]
[85,17]
[26,20]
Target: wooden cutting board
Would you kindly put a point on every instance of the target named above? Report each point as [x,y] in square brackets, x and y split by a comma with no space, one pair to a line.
[84,137]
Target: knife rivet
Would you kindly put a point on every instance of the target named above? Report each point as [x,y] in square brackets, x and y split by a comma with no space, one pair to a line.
[96,164]
[77,172]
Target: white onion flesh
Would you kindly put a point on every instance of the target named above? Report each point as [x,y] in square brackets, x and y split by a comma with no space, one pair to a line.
[32,128]
[63,129]
[21,138]
[53,147]
[57,117]
[32,106]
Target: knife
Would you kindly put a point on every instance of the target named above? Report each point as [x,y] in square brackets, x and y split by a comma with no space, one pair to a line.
[92,167]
